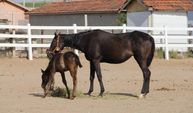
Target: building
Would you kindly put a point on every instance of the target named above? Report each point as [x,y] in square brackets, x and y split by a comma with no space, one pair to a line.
[160,13]
[80,12]
[12,13]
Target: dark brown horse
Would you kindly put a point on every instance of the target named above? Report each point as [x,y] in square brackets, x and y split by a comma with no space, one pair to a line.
[61,62]
[100,46]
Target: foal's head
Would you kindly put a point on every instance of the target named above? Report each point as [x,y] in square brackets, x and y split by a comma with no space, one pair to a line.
[45,79]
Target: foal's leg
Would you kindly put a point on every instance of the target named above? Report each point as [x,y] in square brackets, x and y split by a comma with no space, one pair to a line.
[52,84]
[65,83]
[92,76]
[146,75]
[49,85]
[99,75]
[74,77]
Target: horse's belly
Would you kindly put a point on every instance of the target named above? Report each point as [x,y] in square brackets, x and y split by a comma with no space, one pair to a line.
[116,59]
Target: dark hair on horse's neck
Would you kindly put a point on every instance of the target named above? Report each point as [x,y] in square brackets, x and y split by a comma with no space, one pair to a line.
[71,39]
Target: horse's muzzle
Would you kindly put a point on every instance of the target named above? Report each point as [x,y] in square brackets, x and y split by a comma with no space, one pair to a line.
[49,53]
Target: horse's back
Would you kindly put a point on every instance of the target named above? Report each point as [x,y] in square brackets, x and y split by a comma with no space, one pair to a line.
[116,48]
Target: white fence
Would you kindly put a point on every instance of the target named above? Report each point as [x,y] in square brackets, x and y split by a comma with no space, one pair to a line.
[29,36]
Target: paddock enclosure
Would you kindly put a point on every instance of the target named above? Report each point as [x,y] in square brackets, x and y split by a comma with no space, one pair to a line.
[171,88]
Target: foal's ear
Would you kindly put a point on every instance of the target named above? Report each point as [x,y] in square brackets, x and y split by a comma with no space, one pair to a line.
[42,71]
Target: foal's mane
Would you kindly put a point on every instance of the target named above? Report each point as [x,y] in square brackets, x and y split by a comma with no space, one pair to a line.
[51,64]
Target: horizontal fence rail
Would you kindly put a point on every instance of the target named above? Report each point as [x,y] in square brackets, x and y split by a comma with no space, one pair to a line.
[161,33]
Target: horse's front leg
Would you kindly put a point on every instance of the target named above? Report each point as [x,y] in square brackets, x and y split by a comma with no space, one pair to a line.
[92,76]
[99,75]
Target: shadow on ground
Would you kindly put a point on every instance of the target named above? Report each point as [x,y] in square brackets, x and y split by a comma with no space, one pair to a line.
[37,94]
[124,94]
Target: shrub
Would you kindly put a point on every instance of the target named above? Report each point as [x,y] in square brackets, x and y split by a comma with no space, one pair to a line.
[189,54]
[59,92]
[174,54]
[159,53]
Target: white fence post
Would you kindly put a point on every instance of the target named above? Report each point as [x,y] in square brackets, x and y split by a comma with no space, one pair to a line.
[13,41]
[166,43]
[30,54]
[124,28]
[75,31]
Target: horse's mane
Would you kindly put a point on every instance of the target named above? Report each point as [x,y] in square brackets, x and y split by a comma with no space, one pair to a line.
[80,33]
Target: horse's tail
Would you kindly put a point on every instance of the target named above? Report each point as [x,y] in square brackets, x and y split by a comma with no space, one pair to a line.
[151,55]
[78,61]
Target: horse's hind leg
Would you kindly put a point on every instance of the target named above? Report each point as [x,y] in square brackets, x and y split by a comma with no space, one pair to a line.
[65,83]
[146,75]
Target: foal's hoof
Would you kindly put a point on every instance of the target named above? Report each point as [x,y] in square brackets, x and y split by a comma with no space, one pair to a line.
[44,96]
[73,97]
[142,96]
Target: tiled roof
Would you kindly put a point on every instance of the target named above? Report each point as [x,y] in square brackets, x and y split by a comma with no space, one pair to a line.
[169,4]
[16,4]
[77,7]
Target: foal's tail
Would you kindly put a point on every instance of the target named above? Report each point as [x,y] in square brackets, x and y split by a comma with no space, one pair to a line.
[78,61]
[151,55]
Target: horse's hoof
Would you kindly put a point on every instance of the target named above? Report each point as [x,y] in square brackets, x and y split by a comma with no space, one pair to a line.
[89,94]
[142,96]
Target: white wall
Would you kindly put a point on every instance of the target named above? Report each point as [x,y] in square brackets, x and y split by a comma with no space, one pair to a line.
[160,19]
[173,20]
[170,19]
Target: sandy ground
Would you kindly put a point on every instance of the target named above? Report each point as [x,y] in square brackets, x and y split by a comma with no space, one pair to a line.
[171,89]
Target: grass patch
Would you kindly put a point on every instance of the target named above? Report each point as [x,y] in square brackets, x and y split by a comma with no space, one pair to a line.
[31,5]
[62,93]
[165,89]
[160,53]
[59,92]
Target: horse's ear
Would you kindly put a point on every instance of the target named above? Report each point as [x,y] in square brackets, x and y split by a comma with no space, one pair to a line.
[42,71]
[56,33]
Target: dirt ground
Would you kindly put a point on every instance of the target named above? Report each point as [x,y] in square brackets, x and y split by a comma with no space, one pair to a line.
[171,88]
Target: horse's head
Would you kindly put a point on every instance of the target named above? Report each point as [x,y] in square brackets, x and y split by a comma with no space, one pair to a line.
[56,45]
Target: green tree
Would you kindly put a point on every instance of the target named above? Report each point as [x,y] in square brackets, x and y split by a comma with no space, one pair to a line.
[121,19]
